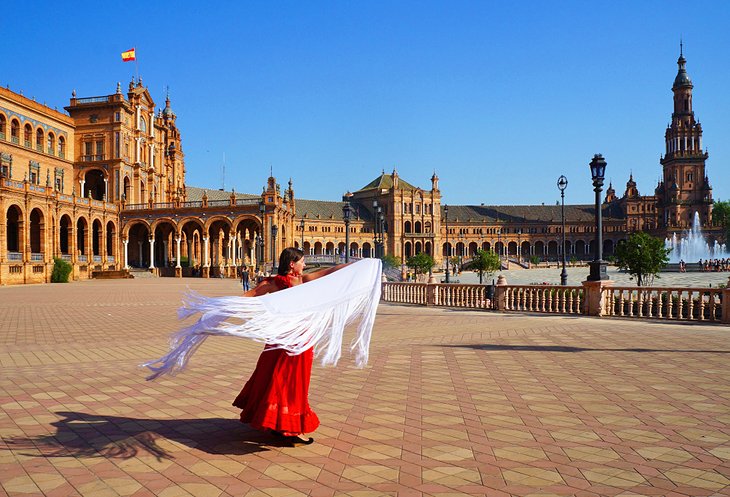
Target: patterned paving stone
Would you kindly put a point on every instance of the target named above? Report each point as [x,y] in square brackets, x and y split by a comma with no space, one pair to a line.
[453,402]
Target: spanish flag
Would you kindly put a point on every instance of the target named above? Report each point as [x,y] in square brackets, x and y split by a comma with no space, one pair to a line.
[129,55]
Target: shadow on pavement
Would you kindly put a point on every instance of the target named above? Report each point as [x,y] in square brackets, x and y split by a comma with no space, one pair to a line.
[561,348]
[91,435]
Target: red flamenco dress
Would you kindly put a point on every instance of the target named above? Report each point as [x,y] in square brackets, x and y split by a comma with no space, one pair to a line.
[276,397]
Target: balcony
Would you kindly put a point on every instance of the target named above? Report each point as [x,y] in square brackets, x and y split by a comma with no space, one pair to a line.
[93,158]
[15,256]
[36,257]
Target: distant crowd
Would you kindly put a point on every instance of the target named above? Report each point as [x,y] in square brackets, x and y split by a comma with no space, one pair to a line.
[716,265]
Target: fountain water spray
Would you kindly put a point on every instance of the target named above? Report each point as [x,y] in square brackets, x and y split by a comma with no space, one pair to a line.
[692,246]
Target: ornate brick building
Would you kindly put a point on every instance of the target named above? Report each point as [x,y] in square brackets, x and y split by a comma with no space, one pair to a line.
[104,188]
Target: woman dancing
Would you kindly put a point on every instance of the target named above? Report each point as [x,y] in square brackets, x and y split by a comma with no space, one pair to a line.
[276,397]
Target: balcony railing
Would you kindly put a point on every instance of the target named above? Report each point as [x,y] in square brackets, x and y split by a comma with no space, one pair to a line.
[92,100]
[97,258]
[83,258]
[15,256]
[92,158]
[36,257]
[680,304]
[66,257]
[15,140]
[691,304]
[110,259]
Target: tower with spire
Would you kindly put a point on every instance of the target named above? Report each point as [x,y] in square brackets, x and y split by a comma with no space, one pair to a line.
[684,189]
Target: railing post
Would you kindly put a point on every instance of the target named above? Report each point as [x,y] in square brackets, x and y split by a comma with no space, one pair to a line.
[726,303]
[431,290]
[500,294]
[594,303]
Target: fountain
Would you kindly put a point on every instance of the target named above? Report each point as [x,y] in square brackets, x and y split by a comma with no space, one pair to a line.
[692,246]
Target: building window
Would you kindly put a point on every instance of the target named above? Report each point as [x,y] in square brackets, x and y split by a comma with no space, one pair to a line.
[34,172]
[93,118]
[117,117]
[99,150]
[117,145]
[27,135]
[39,140]
[6,165]
[3,123]
[51,143]
[15,131]
[61,147]
[58,183]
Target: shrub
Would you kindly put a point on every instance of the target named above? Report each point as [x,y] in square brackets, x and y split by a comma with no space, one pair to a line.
[61,271]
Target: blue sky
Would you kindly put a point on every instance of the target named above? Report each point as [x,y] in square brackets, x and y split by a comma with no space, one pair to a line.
[499,98]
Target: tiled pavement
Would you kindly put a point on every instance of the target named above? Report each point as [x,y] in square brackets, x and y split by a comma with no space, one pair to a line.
[452,403]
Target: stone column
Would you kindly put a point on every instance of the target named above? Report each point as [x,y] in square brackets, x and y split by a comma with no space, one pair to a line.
[178,266]
[126,253]
[164,253]
[594,301]
[152,251]
[106,189]
[500,295]
[141,258]
[206,265]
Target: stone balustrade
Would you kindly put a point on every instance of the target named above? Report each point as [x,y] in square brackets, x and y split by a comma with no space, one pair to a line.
[593,298]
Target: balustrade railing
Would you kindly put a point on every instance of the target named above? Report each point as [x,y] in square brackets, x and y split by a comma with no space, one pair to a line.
[97,258]
[544,298]
[83,258]
[66,257]
[15,256]
[681,304]
[36,257]
[689,304]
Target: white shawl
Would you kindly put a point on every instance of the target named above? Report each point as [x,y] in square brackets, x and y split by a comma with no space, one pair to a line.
[294,319]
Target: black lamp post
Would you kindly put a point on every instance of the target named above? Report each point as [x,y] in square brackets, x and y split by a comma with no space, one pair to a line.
[274,261]
[376,219]
[562,185]
[499,242]
[346,214]
[598,173]
[260,240]
[381,218]
[302,225]
[259,250]
[448,247]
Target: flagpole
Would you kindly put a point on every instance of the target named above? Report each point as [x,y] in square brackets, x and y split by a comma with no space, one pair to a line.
[136,63]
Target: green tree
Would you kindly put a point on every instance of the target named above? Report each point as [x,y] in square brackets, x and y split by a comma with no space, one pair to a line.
[721,216]
[420,263]
[642,256]
[61,271]
[390,261]
[484,262]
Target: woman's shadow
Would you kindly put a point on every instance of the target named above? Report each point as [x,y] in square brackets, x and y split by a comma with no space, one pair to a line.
[91,435]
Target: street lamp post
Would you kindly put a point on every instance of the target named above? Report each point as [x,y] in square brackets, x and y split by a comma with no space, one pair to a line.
[598,173]
[376,211]
[499,242]
[346,213]
[302,226]
[562,185]
[448,247]
[381,218]
[274,261]
[262,210]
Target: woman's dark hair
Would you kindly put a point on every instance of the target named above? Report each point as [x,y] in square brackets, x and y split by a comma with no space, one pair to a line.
[288,255]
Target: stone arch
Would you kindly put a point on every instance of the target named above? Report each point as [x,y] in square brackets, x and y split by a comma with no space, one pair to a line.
[407,227]
[417,227]
[111,231]
[65,234]
[94,184]
[137,232]
[165,246]
[552,248]
[473,247]
[540,248]
[15,239]
[37,231]
[512,248]
[330,248]
[97,237]
[407,250]
[317,248]
[82,230]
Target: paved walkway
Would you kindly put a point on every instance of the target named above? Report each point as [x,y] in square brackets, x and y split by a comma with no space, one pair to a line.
[452,403]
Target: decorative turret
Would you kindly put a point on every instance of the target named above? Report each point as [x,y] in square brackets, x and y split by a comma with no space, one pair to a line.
[434,182]
[631,190]
[395,179]
[610,193]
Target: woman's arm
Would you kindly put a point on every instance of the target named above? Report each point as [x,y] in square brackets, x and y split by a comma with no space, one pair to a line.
[322,272]
[261,289]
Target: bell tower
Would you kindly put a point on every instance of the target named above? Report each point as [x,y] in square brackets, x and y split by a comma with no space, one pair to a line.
[686,189]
